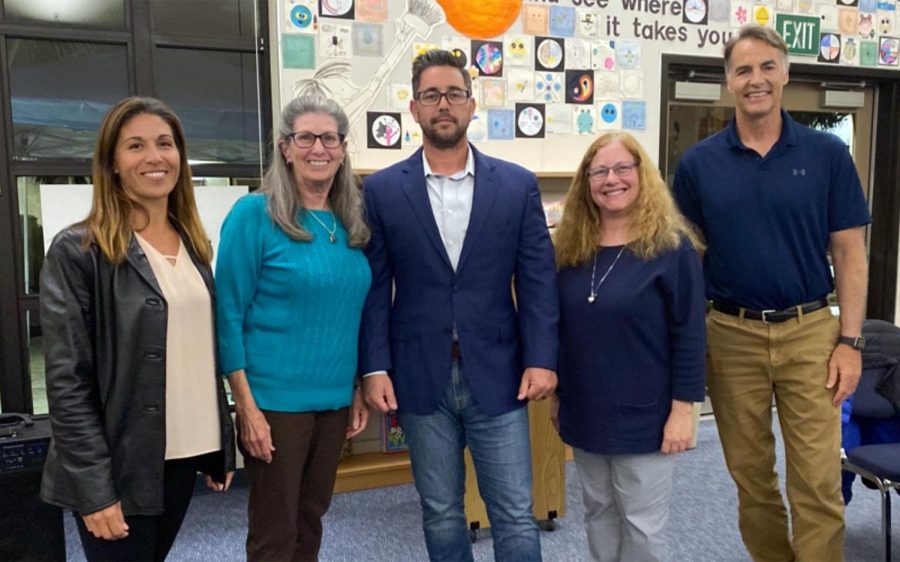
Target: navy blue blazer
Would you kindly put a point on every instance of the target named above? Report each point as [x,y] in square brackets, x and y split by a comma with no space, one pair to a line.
[507,241]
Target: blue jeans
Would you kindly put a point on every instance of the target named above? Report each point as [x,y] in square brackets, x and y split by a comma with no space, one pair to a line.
[501,452]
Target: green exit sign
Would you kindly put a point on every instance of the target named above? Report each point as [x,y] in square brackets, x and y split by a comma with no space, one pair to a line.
[801,33]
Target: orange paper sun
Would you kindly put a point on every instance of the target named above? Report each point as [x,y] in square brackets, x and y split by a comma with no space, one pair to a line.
[481,19]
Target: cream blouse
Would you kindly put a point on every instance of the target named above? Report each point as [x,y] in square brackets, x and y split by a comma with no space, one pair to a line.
[192,415]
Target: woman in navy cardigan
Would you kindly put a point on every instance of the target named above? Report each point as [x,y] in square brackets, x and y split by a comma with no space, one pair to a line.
[632,346]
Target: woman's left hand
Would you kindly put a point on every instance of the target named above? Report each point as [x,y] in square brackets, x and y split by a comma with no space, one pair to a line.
[679,428]
[220,486]
[359,414]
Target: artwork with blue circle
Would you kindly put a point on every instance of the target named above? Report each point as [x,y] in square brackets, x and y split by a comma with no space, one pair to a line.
[634,115]
[562,21]
[367,40]
[609,113]
[501,124]
[301,17]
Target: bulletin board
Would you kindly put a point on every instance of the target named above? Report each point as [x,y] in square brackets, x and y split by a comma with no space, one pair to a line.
[548,76]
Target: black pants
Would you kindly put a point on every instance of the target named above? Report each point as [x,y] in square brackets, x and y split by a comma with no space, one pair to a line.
[149,536]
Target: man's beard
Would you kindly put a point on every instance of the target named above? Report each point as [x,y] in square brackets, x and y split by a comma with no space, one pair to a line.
[448,139]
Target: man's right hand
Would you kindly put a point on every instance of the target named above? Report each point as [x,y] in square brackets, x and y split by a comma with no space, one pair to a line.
[379,393]
[108,523]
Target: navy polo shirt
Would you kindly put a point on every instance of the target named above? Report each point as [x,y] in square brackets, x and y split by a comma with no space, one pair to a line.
[767,219]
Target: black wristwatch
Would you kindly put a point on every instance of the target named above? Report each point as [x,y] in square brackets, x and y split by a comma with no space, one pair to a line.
[858,343]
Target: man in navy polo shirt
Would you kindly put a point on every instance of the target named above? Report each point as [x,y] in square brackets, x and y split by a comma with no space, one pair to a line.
[772,197]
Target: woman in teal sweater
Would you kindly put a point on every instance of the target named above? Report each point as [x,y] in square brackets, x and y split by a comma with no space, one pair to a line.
[291,279]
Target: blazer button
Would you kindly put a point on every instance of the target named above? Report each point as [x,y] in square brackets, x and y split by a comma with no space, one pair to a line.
[152,301]
[152,355]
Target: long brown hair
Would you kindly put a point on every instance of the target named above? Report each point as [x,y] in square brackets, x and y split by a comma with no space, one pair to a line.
[109,222]
[656,222]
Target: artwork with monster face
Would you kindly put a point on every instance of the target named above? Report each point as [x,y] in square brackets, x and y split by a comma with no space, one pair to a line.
[866,27]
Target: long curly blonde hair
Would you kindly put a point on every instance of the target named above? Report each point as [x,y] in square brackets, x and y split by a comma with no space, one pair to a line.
[657,224]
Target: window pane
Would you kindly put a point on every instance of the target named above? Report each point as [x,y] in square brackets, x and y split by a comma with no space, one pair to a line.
[218,106]
[60,91]
[203,17]
[36,363]
[102,13]
[31,221]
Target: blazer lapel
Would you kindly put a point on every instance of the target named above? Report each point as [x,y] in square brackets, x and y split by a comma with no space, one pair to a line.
[138,260]
[417,193]
[482,203]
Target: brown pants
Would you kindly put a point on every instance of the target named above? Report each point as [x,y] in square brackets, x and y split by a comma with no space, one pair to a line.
[748,362]
[289,496]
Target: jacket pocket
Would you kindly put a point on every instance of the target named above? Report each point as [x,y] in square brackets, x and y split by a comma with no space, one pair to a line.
[637,421]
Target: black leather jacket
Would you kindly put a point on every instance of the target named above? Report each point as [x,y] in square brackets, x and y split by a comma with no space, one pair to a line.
[104,329]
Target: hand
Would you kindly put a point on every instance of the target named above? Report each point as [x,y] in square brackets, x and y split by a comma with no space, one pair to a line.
[679,428]
[108,523]
[537,384]
[844,370]
[359,414]
[254,432]
[378,391]
[220,486]
[554,411]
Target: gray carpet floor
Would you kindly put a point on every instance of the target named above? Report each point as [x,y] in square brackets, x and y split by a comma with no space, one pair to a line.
[385,524]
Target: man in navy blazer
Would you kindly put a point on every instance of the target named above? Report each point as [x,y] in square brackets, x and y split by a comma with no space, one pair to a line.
[442,341]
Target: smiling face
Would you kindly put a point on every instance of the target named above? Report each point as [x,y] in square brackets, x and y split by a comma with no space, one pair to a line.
[756,78]
[615,195]
[147,159]
[443,125]
[314,166]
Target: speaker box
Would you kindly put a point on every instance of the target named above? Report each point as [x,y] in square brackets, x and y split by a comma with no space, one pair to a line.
[29,528]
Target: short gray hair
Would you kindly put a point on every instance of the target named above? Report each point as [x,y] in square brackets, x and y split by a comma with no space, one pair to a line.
[283,199]
[760,33]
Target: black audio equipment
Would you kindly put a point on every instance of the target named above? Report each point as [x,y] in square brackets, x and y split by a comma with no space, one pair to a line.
[29,528]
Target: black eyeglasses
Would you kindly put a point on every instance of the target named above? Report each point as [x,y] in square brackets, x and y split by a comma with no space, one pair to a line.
[303,139]
[433,97]
[601,173]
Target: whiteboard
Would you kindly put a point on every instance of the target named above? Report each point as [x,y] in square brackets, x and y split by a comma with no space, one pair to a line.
[63,205]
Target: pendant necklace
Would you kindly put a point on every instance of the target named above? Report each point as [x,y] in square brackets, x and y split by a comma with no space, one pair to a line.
[331,237]
[594,288]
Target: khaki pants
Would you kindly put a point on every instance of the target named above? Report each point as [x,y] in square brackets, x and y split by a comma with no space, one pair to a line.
[748,362]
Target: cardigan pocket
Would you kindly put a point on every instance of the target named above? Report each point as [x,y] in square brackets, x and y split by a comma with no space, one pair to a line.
[637,421]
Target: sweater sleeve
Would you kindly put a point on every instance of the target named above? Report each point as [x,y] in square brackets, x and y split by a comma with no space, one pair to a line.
[238,267]
[686,317]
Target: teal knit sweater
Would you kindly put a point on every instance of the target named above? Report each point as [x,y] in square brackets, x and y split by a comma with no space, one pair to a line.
[288,312]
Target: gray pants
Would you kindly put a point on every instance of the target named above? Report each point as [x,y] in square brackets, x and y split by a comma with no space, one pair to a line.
[626,505]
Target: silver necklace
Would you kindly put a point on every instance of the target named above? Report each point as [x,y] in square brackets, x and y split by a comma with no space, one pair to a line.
[594,288]
[331,237]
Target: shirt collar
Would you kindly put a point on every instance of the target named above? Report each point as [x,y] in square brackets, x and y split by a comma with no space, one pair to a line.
[468,171]
[788,132]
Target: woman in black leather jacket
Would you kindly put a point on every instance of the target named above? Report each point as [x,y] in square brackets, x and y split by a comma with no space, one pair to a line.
[127,302]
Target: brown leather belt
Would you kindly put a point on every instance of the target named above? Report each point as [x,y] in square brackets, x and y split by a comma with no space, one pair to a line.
[767,316]
[454,350]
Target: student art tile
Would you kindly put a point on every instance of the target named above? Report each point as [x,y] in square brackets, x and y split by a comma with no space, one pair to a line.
[848,21]
[587,23]
[784,6]
[336,9]
[634,115]
[487,57]
[631,84]
[501,124]
[606,85]
[548,87]
[889,51]
[868,6]
[535,19]
[520,84]
[517,50]
[367,40]
[866,26]
[719,10]
[558,119]
[493,92]
[412,132]
[459,46]
[763,15]
[383,130]
[549,54]
[740,13]
[580,86]
[400,96]
[828,13]
[562,21]
[848,3]
[609,115]
[603,55]
[887,23]
[805,6]
[578,53]
[530,120]
[829,47]
[335,40]
[887,5]
[298,51]
[299,16]
[628,55]
[478,127]
[583,119]
[850,50]
[695,12]
[372,11]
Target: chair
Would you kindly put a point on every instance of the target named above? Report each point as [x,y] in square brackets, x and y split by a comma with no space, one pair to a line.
[879,463]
